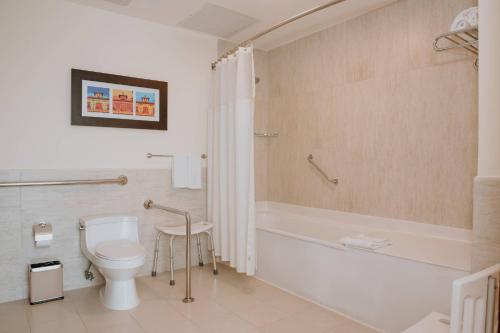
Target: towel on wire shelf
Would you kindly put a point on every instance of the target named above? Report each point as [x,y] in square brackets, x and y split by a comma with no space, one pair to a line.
[365,242]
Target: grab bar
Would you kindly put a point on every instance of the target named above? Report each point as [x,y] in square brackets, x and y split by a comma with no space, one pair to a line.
[121,180]
[331,180]
[148,204]
[149,155]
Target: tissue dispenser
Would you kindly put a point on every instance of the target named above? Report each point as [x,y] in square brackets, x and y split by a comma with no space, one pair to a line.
[42,233]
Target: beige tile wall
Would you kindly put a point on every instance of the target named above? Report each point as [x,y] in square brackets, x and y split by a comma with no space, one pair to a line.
[486,230]
[379,109]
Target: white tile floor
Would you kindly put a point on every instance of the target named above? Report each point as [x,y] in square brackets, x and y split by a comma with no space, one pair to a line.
[226,303]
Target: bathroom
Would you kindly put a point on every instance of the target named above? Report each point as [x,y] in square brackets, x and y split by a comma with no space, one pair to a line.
[338,159]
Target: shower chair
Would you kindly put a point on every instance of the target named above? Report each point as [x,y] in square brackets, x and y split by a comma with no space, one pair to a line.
[173,232]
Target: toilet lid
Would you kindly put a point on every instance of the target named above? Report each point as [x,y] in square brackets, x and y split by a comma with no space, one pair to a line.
[119,249]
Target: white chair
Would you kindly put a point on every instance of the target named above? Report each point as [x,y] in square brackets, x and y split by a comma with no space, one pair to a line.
[172,232]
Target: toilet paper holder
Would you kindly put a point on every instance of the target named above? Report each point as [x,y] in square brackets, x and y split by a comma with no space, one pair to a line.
[42,234]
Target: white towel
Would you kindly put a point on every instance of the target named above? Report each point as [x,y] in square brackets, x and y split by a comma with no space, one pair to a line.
[186,171]
[467,18]
[364,242]
[180,168]
[194,172]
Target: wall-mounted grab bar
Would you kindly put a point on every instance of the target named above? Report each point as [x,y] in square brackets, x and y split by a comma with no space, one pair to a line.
[266,134]
[148,204]
[121,180]
[331,180]
[149,155]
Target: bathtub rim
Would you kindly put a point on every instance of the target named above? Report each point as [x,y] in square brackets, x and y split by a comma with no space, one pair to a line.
[461,236]
[376,222]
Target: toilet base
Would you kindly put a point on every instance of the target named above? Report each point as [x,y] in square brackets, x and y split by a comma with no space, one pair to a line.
[119,295]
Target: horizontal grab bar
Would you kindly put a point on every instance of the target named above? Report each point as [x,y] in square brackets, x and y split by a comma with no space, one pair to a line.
[121,180]
[149,155]
[148,204]
[331,180]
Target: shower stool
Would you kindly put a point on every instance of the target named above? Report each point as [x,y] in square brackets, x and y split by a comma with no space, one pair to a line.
[172,232]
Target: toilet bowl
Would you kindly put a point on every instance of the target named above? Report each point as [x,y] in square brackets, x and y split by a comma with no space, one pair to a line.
[111,243]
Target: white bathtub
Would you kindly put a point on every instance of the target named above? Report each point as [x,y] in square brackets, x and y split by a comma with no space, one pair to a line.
[388,289]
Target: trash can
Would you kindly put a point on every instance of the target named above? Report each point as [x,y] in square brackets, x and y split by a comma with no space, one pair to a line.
[46,281]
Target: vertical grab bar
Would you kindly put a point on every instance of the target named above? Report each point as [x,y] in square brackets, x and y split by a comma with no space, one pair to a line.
[148,204]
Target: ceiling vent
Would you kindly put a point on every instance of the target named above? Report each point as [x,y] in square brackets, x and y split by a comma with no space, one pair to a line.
[216,20]
[120,2]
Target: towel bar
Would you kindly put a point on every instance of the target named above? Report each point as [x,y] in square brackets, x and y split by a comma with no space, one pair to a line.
[149,155]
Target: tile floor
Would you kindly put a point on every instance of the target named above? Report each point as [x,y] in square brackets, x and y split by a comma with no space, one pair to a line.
[226,303]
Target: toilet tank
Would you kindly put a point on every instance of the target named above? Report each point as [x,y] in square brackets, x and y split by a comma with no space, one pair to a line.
[100,228]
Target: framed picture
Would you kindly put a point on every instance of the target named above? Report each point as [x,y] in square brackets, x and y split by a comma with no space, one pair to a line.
[108,100]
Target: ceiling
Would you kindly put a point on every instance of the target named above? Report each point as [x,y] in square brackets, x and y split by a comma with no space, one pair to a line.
[265,13]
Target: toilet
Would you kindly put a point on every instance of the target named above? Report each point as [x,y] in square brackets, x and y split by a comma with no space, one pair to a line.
[111,243]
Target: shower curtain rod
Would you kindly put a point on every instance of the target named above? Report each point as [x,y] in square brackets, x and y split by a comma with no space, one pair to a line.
[274,27]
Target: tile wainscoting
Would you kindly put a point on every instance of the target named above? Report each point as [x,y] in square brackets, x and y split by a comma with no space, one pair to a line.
[486,230]
[21,208]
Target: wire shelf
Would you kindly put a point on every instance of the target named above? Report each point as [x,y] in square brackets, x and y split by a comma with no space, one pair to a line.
[466,39]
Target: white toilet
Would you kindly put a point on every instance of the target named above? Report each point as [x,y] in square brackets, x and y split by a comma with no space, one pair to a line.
[111,243]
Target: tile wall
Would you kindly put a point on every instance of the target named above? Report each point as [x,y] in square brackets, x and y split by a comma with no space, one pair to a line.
[21,208]
[395,121]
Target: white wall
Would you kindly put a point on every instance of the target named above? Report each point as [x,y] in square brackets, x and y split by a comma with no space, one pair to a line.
[486,226]
[42,40]
[489,85]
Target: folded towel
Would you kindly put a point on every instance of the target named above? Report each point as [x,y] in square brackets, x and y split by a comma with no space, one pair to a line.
[467,18]
[364,242]
[186,171]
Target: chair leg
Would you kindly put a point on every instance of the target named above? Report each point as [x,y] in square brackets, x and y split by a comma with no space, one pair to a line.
[172,281]
[200,255]
[212,249]
[157,249]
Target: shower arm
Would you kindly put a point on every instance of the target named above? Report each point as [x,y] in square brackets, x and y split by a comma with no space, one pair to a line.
[148,204]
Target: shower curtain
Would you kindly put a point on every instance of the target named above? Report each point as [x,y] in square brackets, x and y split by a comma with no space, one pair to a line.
[231,188]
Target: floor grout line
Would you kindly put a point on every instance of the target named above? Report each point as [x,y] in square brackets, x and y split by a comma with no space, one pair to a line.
[233,295]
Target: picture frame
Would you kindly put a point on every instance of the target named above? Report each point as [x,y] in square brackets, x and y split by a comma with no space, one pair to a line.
[109,100]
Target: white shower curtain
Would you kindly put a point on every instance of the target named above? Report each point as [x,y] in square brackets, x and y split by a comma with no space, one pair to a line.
[231,188]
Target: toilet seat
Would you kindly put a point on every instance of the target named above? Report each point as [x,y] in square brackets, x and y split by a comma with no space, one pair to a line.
[119,250]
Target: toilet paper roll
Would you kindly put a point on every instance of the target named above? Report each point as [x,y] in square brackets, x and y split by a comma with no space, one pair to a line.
[42,234]
[42,243]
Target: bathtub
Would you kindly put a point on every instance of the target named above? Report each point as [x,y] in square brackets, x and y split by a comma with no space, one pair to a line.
[389,289]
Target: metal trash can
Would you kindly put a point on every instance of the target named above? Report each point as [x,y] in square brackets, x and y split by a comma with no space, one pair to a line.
[46,281]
